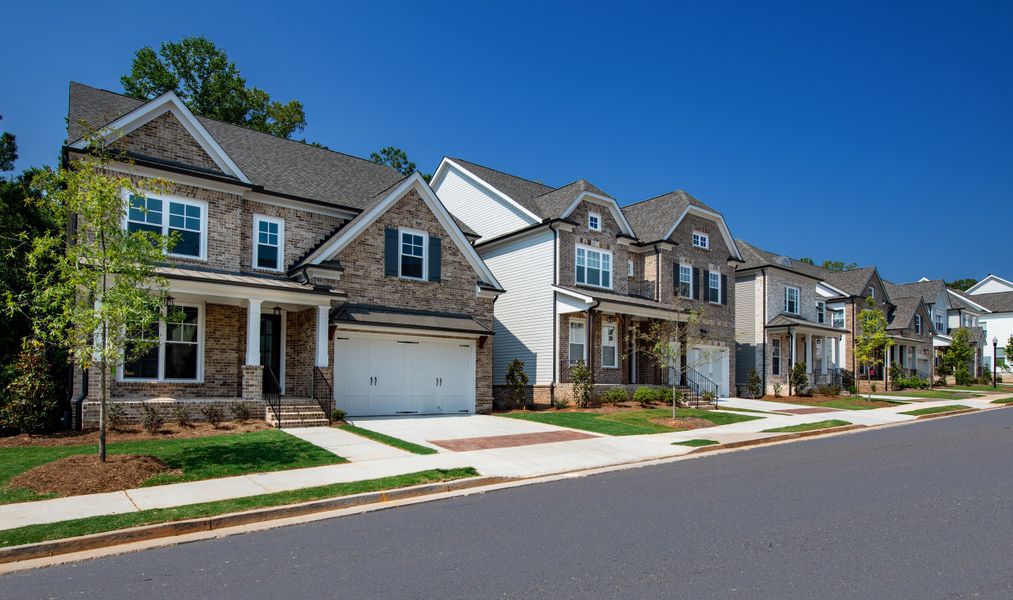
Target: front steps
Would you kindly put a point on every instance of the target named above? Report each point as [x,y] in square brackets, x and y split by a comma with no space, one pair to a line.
[297,412]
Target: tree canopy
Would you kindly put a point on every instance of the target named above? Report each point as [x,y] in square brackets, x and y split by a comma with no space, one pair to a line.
[209,84]
[837,265]
[8,150]
[961,284]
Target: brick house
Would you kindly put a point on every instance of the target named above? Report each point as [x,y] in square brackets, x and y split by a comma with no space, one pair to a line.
[304,278]
[586,277]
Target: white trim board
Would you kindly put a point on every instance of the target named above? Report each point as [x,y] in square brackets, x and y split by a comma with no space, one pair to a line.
[989,279]
[610,203]
[726,234]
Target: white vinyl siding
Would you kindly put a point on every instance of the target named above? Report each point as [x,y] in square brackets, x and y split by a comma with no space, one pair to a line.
[524,315]
[484,211]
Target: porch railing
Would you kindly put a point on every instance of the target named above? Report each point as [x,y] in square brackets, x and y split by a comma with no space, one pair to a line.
[831,377]
[272,394]
[323,393]
[701,387]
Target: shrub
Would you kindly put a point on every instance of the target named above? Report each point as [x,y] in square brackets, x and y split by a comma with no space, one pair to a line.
[777,390]
[338,415]
[151,418]
[985,379]
[615,396]
[213,414]
[665,395]
[799,379]
[116,415]
[962,375]
[848,380]
[581,376]
[181,415]
[31,403]
[753,383]
[828,390]
[897,376]
[242,412]
[517,380]
[873,386]
[560,401]
[646,396]
[709,397]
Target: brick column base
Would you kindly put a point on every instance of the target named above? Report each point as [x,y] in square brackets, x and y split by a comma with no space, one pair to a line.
[253,383]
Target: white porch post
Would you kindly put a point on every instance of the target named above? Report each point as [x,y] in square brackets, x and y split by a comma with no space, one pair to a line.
[323,313]
[253,331]
[808,353]
[826,355]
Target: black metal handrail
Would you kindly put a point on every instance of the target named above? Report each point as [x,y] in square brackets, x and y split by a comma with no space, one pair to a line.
[323,393]
[701,385]
[272,393]
[831,377]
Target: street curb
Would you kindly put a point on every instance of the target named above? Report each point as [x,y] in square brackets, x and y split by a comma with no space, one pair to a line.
[176,528]
[775,438]
[945,414]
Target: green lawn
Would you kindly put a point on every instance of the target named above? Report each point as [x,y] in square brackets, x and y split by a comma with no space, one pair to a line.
[632,422]
[695,443]
[1003,401]
[931,410]
[64,529]
[1003,387]
[808,426]
[940,394]
[390,441]
[748,410]
[851,403]
[197,458]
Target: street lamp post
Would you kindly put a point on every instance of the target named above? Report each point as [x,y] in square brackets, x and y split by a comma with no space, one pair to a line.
[995,359]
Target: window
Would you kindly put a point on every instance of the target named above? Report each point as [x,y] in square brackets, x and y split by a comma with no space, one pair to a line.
[685,281]
[594,267]
[938,316]
[268,242]
[186,219]
[791,300]
[775,356]
[839,319]
[594,221]
[413,254]
[918,324]
[176,356]
[701,240]
[872,292]
[714,287]
[577,338]
[1000,356]
[144,366]
[629,267]
[821,312]
[609,356]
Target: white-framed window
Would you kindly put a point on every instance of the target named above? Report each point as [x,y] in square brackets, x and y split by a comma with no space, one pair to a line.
[578,341]
[1000,356]
[918,324]
[412,254]
[629,267]
[594,221]
[268,243]
[178,354]
[938,316]
[609,352]
[821,312]
[791,300]
[714,287]
[594,267]
[872,292]
[775,356]
[166,215]
[838,319]
[685,281]
[701,240]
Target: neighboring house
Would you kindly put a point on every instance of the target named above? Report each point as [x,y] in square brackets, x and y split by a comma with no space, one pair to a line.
[966,312]
[909,326]
[937,301]
[995,294]
[585,275]
[781,319]
[297,268]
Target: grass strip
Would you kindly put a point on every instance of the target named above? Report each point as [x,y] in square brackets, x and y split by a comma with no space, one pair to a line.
[808,426]
[631,422]
[931,410]
[937,394]
[390,441]
[748,410]
[64,529]
[1003,401]
[695,443]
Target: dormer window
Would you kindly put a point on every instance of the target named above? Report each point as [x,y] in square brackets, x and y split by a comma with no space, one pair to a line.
[872,292]
[701,240]
[166,216]
[594,221]
[918,324]
[268,242]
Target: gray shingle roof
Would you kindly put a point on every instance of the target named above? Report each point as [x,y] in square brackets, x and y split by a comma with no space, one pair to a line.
[995,302]
[783,320]
[926,290]
[851,282]
[523,191]
[756,257]
[552,204]
[959,299]
[277,164]
[904,312]
[652,218]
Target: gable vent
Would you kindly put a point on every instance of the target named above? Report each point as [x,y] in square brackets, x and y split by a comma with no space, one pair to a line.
[784,261]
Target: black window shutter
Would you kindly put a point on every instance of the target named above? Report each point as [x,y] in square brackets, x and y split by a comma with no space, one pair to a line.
[390,252]
[724,289]
[675,279]
[696,284]
[435,253]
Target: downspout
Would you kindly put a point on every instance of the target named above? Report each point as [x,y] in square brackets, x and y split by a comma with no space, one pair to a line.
[763,344]
[791,357]
[555,318]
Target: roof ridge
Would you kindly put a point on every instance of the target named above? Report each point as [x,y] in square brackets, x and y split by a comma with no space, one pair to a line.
[675,191]
[471,162]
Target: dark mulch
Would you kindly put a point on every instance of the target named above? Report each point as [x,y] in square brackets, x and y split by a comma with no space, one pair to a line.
[131,433]
[84,474]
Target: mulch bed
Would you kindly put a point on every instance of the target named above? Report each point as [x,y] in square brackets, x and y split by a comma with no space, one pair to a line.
[816,400]
[595,408]
[684,424]
[84,474]
[131,433]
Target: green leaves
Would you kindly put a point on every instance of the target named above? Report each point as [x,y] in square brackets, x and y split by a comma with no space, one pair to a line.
[871,340]
[394,158]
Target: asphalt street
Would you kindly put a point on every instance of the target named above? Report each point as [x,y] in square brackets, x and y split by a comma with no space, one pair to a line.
[918,511]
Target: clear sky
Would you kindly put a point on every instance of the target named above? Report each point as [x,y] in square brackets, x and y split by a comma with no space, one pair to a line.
[874,132]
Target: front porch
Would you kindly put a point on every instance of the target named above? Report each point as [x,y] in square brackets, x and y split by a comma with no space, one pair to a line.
[795,341]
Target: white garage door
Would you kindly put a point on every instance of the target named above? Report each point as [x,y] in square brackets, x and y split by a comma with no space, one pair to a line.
[378,374]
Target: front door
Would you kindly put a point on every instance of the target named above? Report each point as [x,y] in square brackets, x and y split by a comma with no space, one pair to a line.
[270,351]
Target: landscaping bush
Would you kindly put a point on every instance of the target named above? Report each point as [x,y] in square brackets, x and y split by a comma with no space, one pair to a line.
[560,401]
[897,378]
[646,396]
[777,390]
[665,395]
[709,397]
[848,380]
[614,396]
[828,390]
[116,415]
[213,414]
[181,415]
[985,379]
[151,418]
[517,380]
[338,415]
[754,383]
[799,379]
[941,381]
[963,376]
[242,412]
[30,404]
[581,377]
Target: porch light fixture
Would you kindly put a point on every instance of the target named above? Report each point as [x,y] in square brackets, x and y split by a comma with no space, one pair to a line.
[277,310]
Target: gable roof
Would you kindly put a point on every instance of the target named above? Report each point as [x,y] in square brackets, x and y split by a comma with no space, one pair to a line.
[554,204]
[652,218]
[927,290]
[996,301]
[964,302]
[973,290]
[520,190]
[854,282]
[755,257]
[275,164]
[904,312]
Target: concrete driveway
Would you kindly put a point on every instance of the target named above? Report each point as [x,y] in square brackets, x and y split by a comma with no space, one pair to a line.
[468,432]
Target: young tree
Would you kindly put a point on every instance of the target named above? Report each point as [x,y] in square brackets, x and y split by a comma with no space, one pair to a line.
[204,78]
[663,340]
[959,354]
[1006,363]
[871,341]
[95,291]
[754,383]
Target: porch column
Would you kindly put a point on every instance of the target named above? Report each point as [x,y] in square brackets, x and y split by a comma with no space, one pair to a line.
[826,355]
[323,313]
[253,332]
[808,353]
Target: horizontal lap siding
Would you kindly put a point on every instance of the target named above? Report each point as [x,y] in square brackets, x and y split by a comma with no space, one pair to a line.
[745,327]
[487,214]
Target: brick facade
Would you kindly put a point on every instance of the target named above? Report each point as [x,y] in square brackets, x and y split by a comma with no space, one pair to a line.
[165,137]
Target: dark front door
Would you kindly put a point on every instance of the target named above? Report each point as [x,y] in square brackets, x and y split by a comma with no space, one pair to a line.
[270,351]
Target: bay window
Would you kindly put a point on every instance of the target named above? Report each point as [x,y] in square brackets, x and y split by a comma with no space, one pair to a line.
[594,267]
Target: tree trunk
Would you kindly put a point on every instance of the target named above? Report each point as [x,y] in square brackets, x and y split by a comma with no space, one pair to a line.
[102,415]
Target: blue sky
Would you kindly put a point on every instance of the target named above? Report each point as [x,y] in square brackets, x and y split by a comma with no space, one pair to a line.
[876,132]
